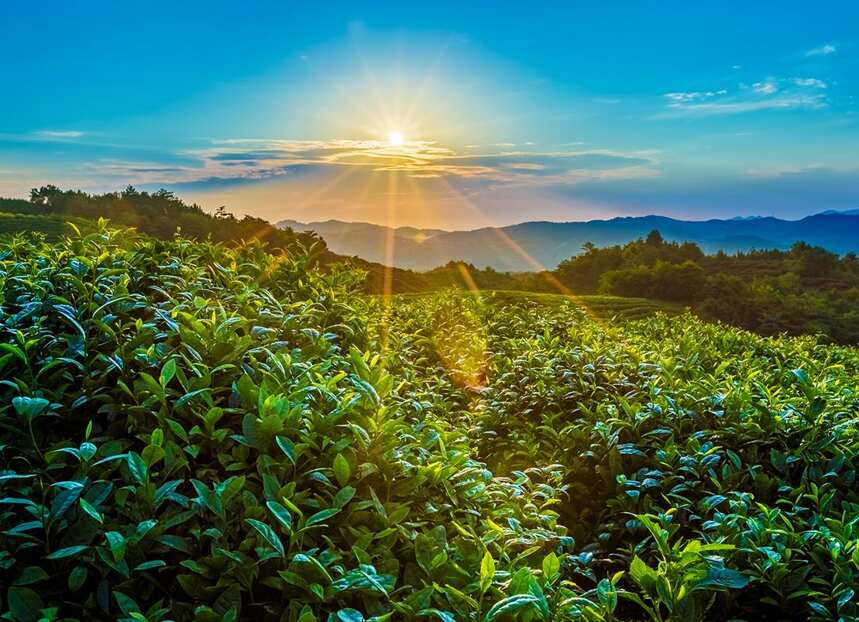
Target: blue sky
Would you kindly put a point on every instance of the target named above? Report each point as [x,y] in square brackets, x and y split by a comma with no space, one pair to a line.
[438,114]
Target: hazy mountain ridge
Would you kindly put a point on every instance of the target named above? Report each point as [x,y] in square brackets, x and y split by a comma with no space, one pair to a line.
[532,245]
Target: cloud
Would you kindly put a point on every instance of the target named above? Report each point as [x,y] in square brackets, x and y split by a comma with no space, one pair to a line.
[136,172]
[246,161]
[768,87]
[823,50]
[690,96]
[61,134]
[820,84]
[793,171]
[263,159]
[768,94]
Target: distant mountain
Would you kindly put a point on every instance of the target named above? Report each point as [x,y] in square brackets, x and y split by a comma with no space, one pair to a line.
[849,212]
[533,245]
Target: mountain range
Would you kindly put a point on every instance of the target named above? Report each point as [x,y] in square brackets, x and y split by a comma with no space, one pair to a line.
[537,245]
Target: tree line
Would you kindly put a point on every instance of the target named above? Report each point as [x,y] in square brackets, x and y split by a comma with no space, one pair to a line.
[161,214]
[803,290]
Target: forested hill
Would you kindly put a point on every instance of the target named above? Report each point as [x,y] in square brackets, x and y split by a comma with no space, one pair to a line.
[159,214]
[528,245]
[803,290]
[162,215]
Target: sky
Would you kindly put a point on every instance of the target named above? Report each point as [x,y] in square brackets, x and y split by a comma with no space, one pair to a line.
[444,114]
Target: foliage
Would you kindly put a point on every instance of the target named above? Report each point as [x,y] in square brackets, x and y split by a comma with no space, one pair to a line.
[196,432]
[190,431]
[53,227]
[162,214]
[708,473]
[806,290]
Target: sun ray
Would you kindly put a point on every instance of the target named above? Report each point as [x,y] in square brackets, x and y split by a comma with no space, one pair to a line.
[537,266]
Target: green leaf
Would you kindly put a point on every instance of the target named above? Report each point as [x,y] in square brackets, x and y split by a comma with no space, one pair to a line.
[430,548]
[89,509]
[281,514]
[350,615]
[444,616]
[487,572]
[342,470]
[551,566]
[24,604]
[846,597]
[510,605]
[30,575]
[607,594]
[321,516]
[314,563]
[30,407]
[286,447]
[268,534]
[659,534]
[87,450]
[77,577]
[126,604]
[69,551]
[344,496]
[167,372]
[642,574]
[719,576]
[802,376]
[137,467]
[14,350]
[116,542]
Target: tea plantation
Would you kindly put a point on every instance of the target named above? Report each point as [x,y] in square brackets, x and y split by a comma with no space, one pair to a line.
[192,432]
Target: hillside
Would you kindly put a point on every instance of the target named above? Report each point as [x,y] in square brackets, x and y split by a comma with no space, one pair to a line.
[162,215]
[533,245]
[192,431]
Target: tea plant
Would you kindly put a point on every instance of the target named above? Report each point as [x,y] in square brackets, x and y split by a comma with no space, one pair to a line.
[195,432]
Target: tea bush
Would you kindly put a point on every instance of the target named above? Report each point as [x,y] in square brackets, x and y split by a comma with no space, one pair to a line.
[671,435]
[195,432]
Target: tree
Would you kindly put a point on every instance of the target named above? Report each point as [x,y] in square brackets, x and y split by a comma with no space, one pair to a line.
[46,196]
[654,238]
[813,261]
[635,282]
[680,283]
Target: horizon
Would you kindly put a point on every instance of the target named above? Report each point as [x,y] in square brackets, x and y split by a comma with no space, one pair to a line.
[450,118]
[844,212]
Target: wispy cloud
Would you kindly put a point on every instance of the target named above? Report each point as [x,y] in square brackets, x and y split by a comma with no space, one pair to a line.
[60,134]
[768,94]
[263,159]
[691,96]
[820,84]
[823,50]
[247,160]
[767,87]
[795,171]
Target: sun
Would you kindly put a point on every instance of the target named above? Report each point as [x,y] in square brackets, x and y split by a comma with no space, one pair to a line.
[395,139]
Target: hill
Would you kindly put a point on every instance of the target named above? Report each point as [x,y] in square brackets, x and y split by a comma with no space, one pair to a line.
[163,215]
[536,245]
[204,432]
[806,290]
